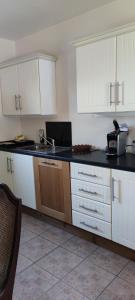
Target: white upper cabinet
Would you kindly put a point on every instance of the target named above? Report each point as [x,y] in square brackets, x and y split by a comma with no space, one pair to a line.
[28,75]
[9,90]
[95,73]
[106,74]
[123,208]
[126,71]
[28,87]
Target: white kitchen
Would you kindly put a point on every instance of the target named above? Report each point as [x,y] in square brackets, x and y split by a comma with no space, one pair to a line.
[67,150]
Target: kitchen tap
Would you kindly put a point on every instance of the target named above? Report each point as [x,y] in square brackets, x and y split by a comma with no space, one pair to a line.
[44,139]
[52,143]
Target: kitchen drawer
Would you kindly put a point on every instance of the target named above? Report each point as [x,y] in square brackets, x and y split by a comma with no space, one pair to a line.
[91,224]
[92,174]
[92,208]
[91,191]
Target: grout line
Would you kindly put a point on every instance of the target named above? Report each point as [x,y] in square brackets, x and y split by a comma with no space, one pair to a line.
[106,287]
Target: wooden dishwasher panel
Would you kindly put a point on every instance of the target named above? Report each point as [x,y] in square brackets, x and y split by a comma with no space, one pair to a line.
[52,180]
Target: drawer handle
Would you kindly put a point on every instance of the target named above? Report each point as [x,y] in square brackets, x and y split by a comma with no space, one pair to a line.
[90,209]
[90,226]
[49,164]
[87,174]
[88,192]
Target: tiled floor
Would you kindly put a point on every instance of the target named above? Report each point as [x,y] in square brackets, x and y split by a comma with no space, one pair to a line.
[55,265]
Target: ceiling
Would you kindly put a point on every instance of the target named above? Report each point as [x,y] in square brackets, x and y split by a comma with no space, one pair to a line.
[19,18]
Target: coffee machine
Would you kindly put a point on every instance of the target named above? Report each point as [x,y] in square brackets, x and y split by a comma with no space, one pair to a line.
[116,140]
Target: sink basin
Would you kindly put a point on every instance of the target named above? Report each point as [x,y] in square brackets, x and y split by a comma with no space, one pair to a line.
[44,148]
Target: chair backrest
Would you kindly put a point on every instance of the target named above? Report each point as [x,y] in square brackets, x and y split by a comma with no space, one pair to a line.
[10,227]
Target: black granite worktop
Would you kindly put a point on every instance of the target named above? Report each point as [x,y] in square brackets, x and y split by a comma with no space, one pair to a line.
[97,158]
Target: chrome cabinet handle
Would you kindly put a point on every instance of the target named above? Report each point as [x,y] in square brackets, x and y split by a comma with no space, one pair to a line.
[116,86]
[8,165]
[88,192]
[87,174]
[49,164]
[119,190]
[16,104]
[19,100]
[89,209]
[122,92]
[90,226]
[11,166]
[111,85]
[112,189]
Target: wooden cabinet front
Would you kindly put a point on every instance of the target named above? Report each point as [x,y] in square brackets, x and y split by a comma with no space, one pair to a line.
[53,188]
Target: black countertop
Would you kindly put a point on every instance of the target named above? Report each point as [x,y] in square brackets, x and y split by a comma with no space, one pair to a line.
[97,158]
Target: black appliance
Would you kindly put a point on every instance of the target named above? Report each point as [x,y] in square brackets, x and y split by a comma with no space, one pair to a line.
[61,132]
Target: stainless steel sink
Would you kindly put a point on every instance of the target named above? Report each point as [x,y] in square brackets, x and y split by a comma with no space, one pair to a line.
[45,148]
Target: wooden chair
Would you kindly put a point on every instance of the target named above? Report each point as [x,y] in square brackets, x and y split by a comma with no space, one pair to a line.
[10,228]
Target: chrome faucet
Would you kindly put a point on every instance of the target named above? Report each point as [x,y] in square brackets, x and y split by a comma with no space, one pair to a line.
[47,140]
[52,143]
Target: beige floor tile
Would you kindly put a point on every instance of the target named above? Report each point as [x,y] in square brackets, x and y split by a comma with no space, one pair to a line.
[23,263]
[59,262]
[128,273]
[26,235]
[36,248]
[56,235]
[80,246]
[118,290]
[89,280]
[35,225]
[108,260]
[32,283]
[62,292]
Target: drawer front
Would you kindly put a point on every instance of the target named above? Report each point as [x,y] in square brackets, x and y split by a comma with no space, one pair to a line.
[92,208]
[91,191]
[91,174]
[91,224]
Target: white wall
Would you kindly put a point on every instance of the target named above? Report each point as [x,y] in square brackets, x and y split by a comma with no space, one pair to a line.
[9,127]
[57,40]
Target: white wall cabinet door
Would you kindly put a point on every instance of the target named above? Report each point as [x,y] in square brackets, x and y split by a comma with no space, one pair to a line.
[6,169]
[9,90]
[23,179]
[96,69]
[28,75]
[126,71]
[123,208]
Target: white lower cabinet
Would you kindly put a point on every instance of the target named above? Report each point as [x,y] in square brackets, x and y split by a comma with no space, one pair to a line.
[123,208]
[6,169]
[16,170]
[91,224]
[91,199]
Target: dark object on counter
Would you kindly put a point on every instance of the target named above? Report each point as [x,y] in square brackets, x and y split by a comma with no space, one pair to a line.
[82,148]
[13,144]
[10,228]
[116,141]
[61,132]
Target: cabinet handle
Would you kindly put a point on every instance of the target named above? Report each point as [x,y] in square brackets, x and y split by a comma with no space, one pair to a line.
[89,209]
[119,190]
[116,86]
[49,164]
[16,100]
[8,165]
[87,174]
[112,189]
[20,104]
[90,226]
[11,166]
[110,93]
[122,93]
[88,192]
